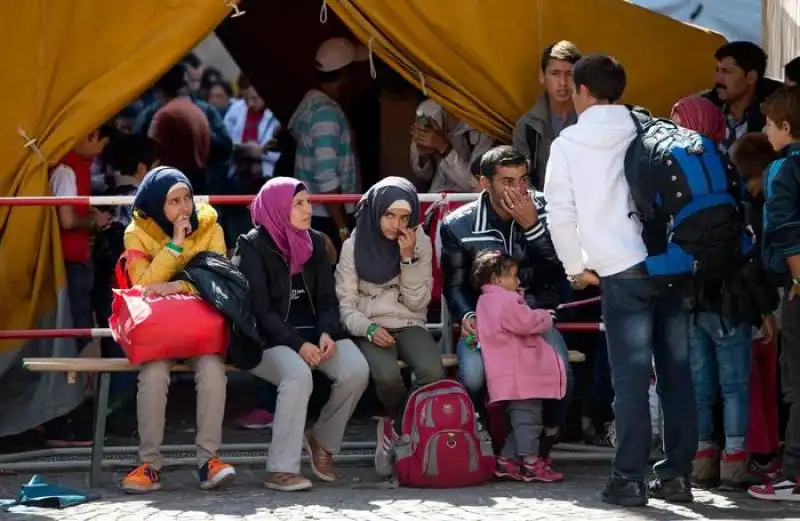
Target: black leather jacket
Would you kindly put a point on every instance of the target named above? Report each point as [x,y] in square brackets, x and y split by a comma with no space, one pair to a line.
[469,230]
[259,260]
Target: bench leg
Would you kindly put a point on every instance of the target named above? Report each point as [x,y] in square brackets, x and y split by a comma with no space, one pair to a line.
[99,436]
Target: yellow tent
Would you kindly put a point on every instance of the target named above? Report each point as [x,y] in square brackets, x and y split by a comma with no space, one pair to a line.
[72,64]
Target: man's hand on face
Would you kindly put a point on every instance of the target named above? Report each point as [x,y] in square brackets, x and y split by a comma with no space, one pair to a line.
[520,207]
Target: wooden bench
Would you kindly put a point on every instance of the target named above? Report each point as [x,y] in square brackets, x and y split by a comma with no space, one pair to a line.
[105,366]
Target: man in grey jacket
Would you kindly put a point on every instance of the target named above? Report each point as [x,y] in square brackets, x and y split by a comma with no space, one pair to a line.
[553,111]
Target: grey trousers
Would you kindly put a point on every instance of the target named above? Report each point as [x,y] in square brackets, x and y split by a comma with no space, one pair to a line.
[525,421]
[283,367]
[416,347]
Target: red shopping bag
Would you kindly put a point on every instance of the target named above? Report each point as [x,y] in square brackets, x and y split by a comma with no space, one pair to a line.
[174,327]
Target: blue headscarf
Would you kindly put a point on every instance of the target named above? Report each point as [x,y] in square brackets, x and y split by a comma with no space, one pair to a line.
[152,194]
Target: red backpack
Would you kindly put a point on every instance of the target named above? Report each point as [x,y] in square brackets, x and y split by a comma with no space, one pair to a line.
[440,444]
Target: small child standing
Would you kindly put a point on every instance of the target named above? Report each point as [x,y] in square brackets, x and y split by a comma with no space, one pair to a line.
[521,368]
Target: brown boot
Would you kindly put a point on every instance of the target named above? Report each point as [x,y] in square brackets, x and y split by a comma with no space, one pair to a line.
[705,469]
[735,474]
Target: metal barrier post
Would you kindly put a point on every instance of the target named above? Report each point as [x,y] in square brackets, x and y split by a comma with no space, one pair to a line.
[99,436]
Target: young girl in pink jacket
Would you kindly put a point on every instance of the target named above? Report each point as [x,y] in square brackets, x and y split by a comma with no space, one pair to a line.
[521,368]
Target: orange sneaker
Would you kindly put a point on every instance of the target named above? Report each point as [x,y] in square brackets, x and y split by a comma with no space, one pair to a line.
[141,480]
[215,473]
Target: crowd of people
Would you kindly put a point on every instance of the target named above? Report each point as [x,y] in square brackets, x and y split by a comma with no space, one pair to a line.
[345,289]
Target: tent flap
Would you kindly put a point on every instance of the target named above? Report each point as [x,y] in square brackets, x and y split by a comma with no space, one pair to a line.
[481,59]
[74,65]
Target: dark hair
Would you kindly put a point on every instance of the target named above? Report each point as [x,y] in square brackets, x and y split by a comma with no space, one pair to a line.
[751,154]
[126,152]
[330,76]
[173,81]
[224,85]
[564,51]
[192,60]
[792,70]
[783,105]
[603,75]
[503,155]
[129,112]
[243,82]
[210,76]
[475,166]
[747,55]
[489,265]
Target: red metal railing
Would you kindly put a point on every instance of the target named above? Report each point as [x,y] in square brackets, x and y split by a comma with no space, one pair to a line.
[426,199]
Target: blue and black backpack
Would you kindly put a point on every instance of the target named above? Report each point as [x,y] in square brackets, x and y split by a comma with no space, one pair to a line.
[687,198]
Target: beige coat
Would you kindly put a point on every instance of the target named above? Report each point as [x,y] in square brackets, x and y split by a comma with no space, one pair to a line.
[401,302]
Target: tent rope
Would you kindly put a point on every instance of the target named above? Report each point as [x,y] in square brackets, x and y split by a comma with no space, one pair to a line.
[30,144]
[422,86]
[372,71]
[233,4]
[323,12]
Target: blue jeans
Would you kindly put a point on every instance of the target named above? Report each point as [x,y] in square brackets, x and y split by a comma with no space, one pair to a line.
[720,357]
[646,323]
[471,374]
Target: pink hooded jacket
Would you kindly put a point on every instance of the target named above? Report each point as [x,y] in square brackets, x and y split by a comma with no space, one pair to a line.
[519,364]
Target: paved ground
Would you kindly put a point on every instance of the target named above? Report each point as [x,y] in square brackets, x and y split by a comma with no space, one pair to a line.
[361,498]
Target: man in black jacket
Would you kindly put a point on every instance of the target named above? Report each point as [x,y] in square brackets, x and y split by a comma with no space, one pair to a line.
[510,218]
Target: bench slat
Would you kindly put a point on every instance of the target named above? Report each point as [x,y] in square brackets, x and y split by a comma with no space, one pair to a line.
[119,365]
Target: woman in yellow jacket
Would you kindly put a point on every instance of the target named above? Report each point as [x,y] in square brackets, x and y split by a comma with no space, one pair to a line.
[170,230]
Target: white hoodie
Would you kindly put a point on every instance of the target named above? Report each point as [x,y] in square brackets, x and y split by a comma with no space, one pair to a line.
[589,203]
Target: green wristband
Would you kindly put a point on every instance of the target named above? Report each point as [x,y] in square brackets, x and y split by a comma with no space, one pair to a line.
[371,331]
[174,247]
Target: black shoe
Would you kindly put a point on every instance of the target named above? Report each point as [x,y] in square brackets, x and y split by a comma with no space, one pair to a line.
[624,493]
[676,490]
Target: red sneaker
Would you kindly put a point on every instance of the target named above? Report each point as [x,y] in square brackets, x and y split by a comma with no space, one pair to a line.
[506,468]
[539,470]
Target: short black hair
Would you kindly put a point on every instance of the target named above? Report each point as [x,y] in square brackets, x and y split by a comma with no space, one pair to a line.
[503,155]
[489,265]
[747,55]
[224,85]
[172,81]
[562,51]
[792,70]
[126,152]
[603,75]
[192,60]
[210,76]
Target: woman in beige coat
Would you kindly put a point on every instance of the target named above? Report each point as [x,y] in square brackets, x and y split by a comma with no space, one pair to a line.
[383,282]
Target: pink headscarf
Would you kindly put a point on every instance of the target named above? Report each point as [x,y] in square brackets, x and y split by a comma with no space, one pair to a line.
[701,115]
[271,209]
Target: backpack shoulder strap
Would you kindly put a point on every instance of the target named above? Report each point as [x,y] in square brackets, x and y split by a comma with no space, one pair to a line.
[633,166]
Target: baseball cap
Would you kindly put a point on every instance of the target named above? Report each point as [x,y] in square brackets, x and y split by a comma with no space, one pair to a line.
[337,53]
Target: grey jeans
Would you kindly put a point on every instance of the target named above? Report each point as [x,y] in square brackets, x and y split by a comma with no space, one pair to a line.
[283,367]
[416,347]
[525,420]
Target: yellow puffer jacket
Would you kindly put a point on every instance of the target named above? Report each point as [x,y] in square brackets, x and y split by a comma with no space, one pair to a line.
[145,235]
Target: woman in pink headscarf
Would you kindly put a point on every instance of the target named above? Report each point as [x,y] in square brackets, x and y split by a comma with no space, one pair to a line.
[701,115]
[294,301]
